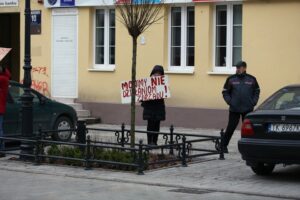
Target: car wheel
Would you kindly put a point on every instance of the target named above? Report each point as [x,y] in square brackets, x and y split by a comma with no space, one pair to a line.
[263,169]
[63,123]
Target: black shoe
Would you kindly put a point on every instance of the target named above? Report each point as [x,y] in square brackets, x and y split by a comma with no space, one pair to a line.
[2,155]
[225,150]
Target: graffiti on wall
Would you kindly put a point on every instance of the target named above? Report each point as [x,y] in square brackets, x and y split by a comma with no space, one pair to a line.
[40,80]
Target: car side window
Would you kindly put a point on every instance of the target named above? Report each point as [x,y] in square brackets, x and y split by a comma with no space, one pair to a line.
[16,92]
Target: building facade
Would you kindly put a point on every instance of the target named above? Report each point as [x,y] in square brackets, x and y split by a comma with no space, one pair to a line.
[83,52]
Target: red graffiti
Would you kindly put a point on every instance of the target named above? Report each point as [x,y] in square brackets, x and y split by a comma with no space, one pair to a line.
[40,86]
[40,70]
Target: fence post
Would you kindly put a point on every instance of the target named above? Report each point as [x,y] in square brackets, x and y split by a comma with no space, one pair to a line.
[171,140]
[140,159]
[81,132]
[184,151]
[123,135]
[88,153]
[221,157]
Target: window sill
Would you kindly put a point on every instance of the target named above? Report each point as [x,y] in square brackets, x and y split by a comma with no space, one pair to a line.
[104,69]
[180,71]
[225,73]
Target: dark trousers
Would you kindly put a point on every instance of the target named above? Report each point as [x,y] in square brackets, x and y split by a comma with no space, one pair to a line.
[233,121]
[153,126]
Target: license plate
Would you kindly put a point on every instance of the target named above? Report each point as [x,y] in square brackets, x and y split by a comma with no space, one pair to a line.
[287,128]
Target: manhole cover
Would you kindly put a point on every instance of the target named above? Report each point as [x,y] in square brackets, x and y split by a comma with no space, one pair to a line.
[191,191]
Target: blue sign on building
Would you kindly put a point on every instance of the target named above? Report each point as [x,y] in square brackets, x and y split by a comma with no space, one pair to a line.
[67,3]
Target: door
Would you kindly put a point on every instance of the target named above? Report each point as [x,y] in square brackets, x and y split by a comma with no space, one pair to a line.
[64,53]
[10,38]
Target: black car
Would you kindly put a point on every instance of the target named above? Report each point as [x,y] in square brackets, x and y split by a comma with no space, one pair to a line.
[47,114]
[271,134]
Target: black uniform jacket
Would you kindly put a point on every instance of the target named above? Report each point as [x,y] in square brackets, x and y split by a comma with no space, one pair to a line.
[241,92]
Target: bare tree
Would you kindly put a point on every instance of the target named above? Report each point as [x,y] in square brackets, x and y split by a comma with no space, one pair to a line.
[137,16]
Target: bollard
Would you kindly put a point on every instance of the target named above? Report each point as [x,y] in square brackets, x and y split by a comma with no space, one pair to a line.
[184,151]
[171,140]
[222,146]
[140,159]
[123,135]
[88,153]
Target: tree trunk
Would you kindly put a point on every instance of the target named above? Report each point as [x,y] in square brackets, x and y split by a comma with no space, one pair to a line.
[133,90]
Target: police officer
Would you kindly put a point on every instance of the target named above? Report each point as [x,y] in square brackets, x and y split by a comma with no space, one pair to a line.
[241,92]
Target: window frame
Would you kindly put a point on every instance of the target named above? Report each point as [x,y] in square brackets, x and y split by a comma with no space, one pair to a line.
[183,47]
[229,68]
[105,66]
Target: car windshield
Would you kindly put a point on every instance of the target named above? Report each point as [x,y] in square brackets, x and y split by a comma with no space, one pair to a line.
[284,99]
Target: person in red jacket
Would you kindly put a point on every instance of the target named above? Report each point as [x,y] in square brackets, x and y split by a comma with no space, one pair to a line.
[4,81]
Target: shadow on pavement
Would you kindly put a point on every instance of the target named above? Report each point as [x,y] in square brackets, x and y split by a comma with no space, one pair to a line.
[290,173]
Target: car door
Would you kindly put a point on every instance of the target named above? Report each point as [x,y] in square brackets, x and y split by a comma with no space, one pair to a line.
[42,112]
[12,115]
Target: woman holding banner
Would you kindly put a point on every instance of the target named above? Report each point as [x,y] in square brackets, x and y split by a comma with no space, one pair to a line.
[154,110]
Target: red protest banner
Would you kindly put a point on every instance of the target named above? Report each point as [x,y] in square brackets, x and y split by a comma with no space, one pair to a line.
[155,87]
[4,52]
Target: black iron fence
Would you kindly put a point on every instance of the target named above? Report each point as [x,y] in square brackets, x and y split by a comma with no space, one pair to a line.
[173,148]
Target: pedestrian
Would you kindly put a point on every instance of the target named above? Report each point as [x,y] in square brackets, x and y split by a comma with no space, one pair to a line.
[4,81]
[241,92]
[154,110]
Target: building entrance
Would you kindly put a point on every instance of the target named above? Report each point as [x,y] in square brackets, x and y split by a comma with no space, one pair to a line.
[10,38]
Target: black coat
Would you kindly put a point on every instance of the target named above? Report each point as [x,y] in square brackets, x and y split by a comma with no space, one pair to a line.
[241,93]
[154,110]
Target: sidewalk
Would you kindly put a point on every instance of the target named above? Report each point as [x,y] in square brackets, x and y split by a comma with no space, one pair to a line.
[229,176]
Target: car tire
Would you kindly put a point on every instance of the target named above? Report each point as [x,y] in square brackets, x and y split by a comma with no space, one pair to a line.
[63,123]
[263,169]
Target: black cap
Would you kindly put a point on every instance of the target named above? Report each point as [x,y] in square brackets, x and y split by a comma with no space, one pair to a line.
[241,64]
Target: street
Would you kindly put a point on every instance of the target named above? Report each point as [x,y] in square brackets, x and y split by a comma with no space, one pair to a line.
[26,186]
[209,178]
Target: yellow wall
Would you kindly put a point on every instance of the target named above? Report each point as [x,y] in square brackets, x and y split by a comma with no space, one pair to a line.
[105,86]
[271,43]
[195,90]
[41,52]
[270,47]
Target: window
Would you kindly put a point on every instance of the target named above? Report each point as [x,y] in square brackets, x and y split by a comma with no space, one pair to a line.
[105,38]
[228,36]
[182,37]
[285,99]
[16,92]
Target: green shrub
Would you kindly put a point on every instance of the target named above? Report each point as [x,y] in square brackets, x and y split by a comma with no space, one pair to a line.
[97,154]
